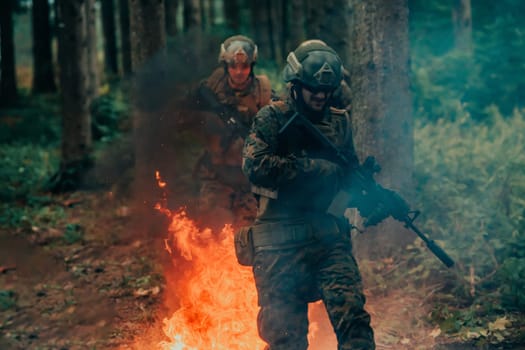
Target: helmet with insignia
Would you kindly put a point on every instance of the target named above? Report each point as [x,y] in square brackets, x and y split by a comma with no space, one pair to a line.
[314,65]
[238,49]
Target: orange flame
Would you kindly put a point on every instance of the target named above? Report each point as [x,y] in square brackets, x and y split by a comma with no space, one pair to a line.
[217,296]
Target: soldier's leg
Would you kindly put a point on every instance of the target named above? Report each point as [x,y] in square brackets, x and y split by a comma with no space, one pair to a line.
[283,316]
[342,292]
[284,325]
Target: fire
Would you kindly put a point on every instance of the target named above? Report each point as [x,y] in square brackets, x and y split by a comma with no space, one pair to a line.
[217,296]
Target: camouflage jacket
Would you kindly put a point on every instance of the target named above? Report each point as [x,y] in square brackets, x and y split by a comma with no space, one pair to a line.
[228,123]
[290,167]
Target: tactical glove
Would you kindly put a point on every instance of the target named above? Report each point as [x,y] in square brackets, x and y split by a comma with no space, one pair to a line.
[320,167]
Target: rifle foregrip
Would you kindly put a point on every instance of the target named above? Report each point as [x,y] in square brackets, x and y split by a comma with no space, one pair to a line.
[440,253]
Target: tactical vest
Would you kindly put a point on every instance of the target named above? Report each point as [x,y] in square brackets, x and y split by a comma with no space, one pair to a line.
[246,102]
[222,159]
[336,125]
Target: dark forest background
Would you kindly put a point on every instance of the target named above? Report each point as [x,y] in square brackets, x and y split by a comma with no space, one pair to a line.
[87,89]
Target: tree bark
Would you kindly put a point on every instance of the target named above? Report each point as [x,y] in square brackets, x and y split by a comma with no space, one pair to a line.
[191,15]
[382,108]
[171,7]
[261,27]
[148,34]
[91,31]
[462,19]
[110,37]
[74,77]
[296,25]
[43,72]
[330,22]
[125,40]
[8,90]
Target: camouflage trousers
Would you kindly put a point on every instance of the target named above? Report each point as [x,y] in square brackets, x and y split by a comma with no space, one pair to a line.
[288,279]
[221,204]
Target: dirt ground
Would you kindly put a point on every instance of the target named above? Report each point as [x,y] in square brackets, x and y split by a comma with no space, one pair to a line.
[96,293]
[108,289]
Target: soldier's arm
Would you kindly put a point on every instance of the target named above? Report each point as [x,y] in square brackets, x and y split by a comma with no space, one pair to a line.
[261,164]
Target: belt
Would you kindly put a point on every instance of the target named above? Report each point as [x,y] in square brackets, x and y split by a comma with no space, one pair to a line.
[281,234]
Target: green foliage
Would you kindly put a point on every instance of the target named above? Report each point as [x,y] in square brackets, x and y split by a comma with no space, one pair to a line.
[25,169]
[447,82]
[73,233]
[110,114]
[35,120]
[471,187]
[7,299]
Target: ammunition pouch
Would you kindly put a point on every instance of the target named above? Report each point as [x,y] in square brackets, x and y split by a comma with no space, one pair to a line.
[244,248]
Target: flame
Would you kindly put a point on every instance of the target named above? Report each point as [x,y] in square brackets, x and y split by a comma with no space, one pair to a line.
[217,296]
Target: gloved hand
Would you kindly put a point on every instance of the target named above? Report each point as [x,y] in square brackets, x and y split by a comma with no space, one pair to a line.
[386,203]
[320,167]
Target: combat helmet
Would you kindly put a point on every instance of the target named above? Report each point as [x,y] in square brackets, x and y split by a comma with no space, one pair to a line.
[314,65]
[238,48]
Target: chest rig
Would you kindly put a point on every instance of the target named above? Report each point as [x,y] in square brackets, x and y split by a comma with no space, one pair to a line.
[335,124]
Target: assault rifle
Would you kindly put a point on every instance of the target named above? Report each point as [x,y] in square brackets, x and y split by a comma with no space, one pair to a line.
[227,114]
[366,194]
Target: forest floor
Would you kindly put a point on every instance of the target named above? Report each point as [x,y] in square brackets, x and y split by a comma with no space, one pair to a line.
[106,288]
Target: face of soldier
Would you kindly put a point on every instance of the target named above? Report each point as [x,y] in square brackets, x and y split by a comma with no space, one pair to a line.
[239,73]
[315,100]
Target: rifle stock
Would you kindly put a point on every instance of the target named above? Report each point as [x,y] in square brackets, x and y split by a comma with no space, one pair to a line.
[362,177]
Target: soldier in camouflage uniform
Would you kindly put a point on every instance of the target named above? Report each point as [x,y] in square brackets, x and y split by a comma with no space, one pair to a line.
[300,253]
[232,94]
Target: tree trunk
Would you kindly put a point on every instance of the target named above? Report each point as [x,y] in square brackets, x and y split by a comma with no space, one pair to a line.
[296,25]
[170,8]
[330,22]
[276,29]
[43,72]
[381,112]
[191,15]
[8,91]
[261,25]
[125,40]
[148,34]
[462,19]
[232,15]
[91,30]
[110,37]
[74,77]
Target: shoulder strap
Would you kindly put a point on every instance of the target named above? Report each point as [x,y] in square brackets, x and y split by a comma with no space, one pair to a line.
[344,115]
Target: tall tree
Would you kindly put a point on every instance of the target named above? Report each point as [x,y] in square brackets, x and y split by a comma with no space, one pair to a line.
[232,14]
[91,32]
[8,90]
[191,14]
[330,22]
[125,38]
[171,7]
[462,19]
[148,34]
[73,55]
[260,12]
[382,107]
[295,26]
[43,72]
[110,36]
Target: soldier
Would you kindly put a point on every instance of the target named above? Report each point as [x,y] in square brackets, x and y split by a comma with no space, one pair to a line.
[232,95]
[301,254]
